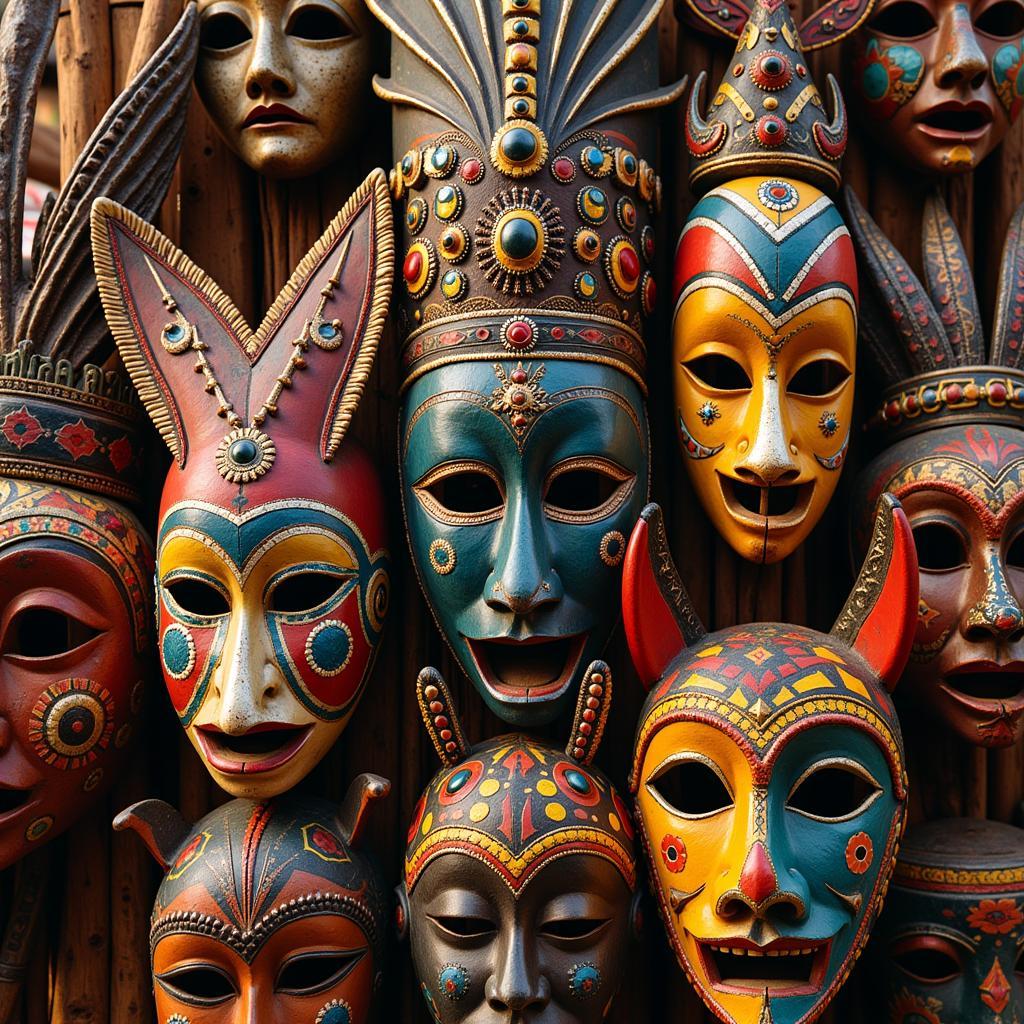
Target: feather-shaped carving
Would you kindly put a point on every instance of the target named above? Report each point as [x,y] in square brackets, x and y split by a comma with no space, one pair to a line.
[130,157]
[583,47]
[915,329]
[951,285]
[26,34]
[1008,329]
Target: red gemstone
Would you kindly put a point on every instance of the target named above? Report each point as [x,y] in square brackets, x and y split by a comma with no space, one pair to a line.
[954,393]
[519,376]
[563,169]
[518,397]
[519,421]
[413,266]
[558,333]
[911,403]
[629,264]
[519,334]
[471,170]
[997,391]
[892,411]
[482,333]
[519,56]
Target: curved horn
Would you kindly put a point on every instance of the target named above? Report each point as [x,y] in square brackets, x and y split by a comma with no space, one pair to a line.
[592,707]
[702,138]
[440,717]
[831,138]
[160,826]
[365,790]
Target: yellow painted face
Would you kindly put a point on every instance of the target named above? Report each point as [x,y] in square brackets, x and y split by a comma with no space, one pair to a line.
[764,348]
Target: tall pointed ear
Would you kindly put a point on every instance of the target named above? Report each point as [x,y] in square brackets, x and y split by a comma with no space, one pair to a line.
[160,827]
[833,21]
[364,790]
[164,311]
[440,717]
[338,297]
[592,707]
[656,610]
[880,615]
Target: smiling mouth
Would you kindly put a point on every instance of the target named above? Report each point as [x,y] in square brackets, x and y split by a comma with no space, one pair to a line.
[780,505]
[785,967]
[985,685]
[956,121]
[539,668]
[260,750]
[277,115]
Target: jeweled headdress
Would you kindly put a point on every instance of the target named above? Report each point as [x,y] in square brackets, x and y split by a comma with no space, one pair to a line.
[528,211]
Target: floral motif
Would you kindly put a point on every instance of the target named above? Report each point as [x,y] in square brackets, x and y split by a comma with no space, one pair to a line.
[888,76]
[829,423]
[120,453]
[77,439]
[708,413]
[907,1008]
[519,396]
[995,917]
[860,852]
[1008,76]
[21,428]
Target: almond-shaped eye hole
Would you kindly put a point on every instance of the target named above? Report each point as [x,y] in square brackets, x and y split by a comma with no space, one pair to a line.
[41,632]
[309,973]
[903,20]
[318,24]
[818,378]
[462,493]
[572,928]
[585,489]
[198,597]
[940,546]
[833,791]
[1003,20]
[199,985]
[1015,552]
[690,789]
[466,927]
[223,31]
[719,372]
[927,958]
[303,591]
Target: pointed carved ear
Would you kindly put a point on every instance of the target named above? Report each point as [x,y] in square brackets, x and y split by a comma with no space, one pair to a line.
[833,21]
[440,717]
[656,610]
[880,615]
[160,827]
[364,790]
[160,306]
[592,707]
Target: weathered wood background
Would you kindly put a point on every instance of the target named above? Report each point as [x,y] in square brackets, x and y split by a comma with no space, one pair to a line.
[91,962]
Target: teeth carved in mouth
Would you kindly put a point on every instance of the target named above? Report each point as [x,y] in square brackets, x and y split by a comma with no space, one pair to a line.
[259,750]
[527,670]
[783,967]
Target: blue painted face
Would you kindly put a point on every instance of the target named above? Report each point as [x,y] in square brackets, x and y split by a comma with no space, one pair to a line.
[521,481]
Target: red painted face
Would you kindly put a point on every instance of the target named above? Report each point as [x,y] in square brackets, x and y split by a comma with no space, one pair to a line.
[74,630]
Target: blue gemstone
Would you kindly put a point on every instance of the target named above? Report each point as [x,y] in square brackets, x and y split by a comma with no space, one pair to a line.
[449,279]
[520,28]
[441,157]
[629,163]
[519,145]
[521,106]
[407,163]
[519,238]
[930,396]
[520,84]
[327,331]
[594,158]
[330,648]
[244,451]
[458,780]
[577,781]
[446,194]
[174,333]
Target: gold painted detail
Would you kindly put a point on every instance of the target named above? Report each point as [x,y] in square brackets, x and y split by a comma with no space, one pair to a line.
[926,876]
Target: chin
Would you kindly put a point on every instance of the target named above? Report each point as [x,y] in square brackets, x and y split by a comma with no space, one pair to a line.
[285,158]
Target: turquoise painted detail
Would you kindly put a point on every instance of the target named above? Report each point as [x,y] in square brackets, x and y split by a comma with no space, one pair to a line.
[330,648]
[175,651]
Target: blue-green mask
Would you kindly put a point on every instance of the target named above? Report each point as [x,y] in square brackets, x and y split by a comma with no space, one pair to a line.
[521,480]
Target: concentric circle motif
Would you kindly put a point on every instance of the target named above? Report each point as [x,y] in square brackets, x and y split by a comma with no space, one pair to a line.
[177,651]
[38,827]
[416,215]
[648,293]
[563,170]
[673,853]
[520,241]
[627,168]
[448,202]
[771,131]
[771,71]
[337,1011]
[329,647]
[586,244]
[596,162]
[585,286]
[442,556]
[519,149]
[378,599]
[411,166]
[575,783]
[439,161]
[584,980]
[462,782]
[71,723]
[419,270]
[454,243]
[245,455]
[328,335]
[860,852]
[453,981]
[625,213]
[612,549]
[518,334]
[176,338]
[622,266]
[454,285]
[592,204]
[778,196]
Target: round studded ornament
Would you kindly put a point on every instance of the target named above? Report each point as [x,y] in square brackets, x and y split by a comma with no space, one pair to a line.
[71,723]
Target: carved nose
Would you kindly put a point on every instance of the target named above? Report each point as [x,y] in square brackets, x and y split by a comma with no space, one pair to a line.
[757,879]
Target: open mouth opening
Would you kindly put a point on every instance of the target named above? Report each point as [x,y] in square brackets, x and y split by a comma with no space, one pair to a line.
[991,685]
[12,800]
[260,750]
[786,966]
[539,668]
[957,120]
[779,504]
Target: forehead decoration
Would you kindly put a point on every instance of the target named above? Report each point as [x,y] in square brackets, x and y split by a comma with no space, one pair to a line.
[759,709]
[72,554]
[516,803]
[249,868]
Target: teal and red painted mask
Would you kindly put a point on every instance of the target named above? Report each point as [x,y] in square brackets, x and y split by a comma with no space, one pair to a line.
[952,423]
[519,893]
[937,83]
[267,911]
[527,274]
[949,948]
[769,778]
[272,573]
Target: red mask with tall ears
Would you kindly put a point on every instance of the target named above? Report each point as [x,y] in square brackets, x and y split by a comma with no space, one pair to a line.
[272,576]
[768,776]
